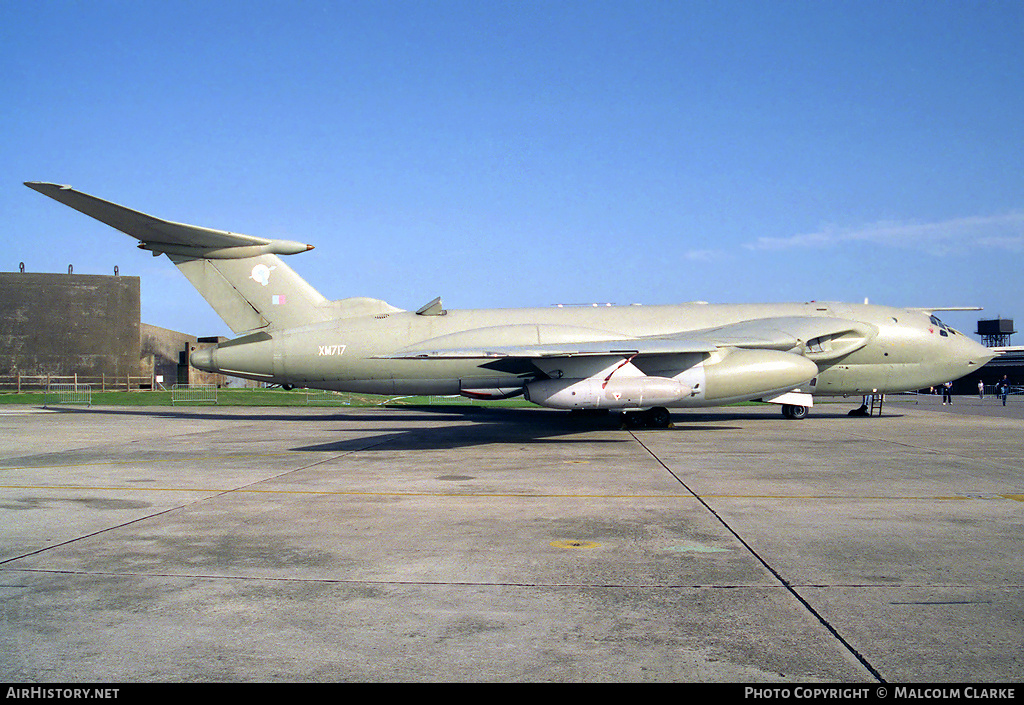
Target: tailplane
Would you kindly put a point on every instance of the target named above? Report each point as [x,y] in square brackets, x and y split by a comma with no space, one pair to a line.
[242,277]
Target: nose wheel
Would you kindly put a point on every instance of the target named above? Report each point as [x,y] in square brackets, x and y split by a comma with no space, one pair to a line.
[794,411]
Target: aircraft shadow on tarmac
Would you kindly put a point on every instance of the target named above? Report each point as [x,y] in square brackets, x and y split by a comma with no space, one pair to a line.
[466,426]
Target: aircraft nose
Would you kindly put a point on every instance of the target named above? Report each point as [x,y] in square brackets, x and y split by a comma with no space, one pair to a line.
[977,354]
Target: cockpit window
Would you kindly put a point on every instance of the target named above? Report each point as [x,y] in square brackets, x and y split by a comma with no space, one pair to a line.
[944,330]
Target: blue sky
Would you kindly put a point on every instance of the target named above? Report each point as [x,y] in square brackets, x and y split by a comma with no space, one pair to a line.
[505,154]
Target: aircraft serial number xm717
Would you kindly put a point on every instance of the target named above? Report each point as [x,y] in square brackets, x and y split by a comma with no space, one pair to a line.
[643,359]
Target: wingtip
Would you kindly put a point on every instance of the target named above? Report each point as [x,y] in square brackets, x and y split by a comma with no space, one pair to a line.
[44,185]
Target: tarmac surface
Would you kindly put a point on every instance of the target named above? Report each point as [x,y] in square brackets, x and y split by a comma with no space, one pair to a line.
[424,544]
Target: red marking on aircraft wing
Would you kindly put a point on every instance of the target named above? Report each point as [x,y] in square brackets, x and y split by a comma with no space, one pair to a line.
[623,364]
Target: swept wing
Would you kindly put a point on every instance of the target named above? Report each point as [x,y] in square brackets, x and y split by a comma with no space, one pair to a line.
[821,338]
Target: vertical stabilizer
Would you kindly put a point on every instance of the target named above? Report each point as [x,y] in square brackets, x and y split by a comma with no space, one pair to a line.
[255,292]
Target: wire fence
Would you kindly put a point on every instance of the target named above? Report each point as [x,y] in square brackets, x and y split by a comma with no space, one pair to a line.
[69,394]
[194,394]
[327,397]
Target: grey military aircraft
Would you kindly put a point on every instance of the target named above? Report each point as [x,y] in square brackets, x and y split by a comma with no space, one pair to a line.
[641,360]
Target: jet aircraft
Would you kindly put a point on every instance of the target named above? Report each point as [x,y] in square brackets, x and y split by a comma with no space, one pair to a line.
[642,360]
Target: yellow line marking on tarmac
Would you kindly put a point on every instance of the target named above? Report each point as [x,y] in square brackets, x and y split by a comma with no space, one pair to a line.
[575,543]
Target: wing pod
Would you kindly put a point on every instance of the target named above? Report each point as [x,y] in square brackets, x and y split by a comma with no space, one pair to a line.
[618,393]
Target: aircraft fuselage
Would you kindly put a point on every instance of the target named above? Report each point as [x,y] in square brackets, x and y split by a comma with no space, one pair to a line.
[899,350]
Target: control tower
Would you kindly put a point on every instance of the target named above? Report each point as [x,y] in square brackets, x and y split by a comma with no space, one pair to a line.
[996,333]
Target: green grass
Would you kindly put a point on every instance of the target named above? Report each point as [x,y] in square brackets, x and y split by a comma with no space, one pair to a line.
[255,397]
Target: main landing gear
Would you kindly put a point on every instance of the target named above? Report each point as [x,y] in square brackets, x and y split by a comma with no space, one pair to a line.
[794,411]
[657,417]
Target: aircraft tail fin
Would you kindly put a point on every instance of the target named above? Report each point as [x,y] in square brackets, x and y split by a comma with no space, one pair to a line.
[241,276]
[255,293]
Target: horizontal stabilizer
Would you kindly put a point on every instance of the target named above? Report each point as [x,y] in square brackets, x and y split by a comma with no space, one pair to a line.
[164,236]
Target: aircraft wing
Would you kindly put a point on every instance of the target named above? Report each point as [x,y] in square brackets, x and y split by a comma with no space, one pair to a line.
[841,335]
[629,346]
[164,236]
[829,337]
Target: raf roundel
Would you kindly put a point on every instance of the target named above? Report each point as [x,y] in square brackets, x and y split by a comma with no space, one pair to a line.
[261,274]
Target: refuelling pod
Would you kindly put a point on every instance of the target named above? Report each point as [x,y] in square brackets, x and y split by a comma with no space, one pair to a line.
[594,393]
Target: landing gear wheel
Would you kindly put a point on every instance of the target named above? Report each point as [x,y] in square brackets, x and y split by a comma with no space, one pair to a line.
[632,419]
[658,417]
[794,411]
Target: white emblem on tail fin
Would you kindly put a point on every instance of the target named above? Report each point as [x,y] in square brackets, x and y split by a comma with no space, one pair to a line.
[261,274]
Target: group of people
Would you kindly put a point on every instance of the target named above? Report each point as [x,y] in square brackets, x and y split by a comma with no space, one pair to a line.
[1002,389]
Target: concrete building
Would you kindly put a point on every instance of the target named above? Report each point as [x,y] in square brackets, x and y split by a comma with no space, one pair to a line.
[67,324]
[165,357]
[87,327]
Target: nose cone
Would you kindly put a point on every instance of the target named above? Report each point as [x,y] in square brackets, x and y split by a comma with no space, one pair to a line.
[202,359]
[976,354]
[964,356]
